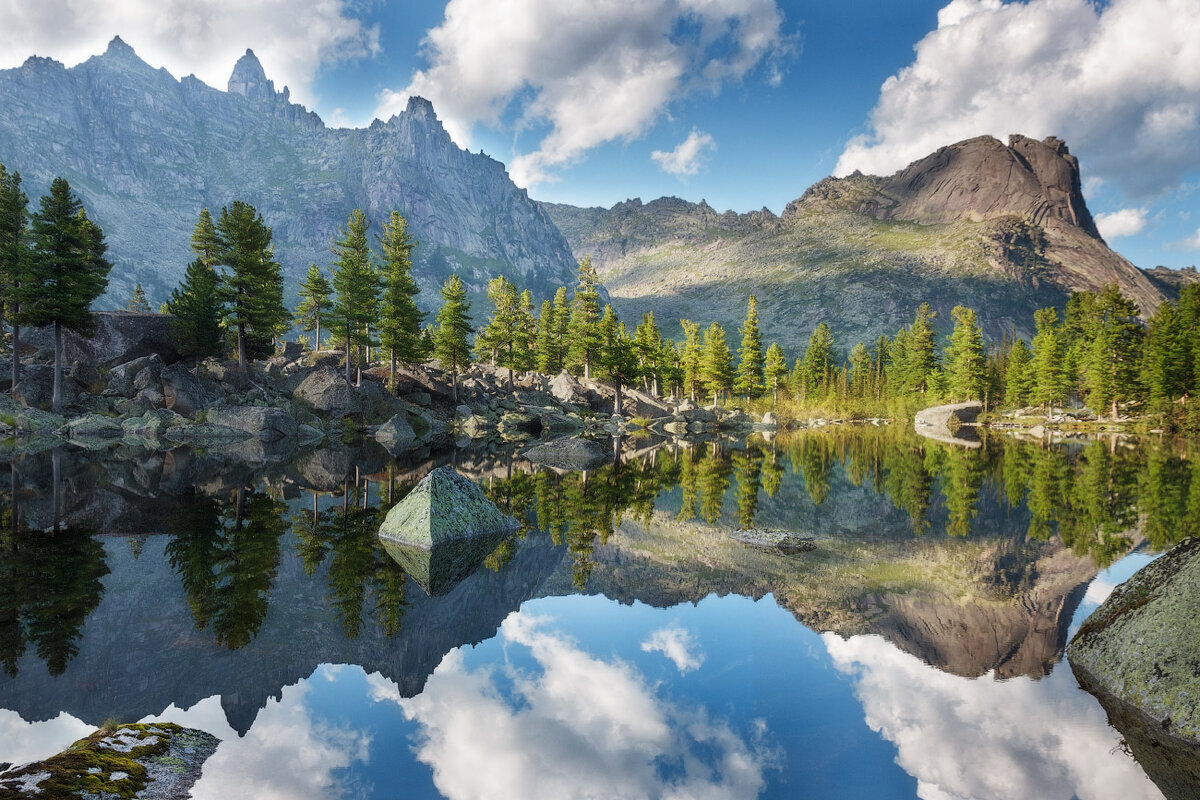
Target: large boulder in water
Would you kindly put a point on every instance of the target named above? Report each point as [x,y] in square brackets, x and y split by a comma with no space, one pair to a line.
[328,391]
[441,532]
[567,453]
[268,424]
[1139,653]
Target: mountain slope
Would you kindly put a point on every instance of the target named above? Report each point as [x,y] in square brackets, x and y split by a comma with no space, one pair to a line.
[1004,229]
[146,152]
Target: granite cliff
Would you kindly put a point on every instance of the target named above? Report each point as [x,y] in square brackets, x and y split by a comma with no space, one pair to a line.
[146,152]
[1003,228]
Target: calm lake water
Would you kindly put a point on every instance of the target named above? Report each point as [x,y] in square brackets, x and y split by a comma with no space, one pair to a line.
[621,645]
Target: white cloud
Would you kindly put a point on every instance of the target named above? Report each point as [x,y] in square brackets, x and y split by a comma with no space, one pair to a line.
[1119,82]
[22,741]
[1123,222]
[204,37]
[574,727]
[1192,242]
[1020,738]
[688,156]
[589,73]
[678,645]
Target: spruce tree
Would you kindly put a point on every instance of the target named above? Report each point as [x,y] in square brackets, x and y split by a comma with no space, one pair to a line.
[453,327]
[400,319]
[548,362]
[583,334]
[964,356]
[198,310]
[620,362]
[315,302]
[14,258]
[137,302]
[1111,375]
[749,380]
[1166,362]
[689,358]
[356,283]
[920,355]
[716,362]
[1018,377]
[861,370]
[1048,380]
[775,368]
[818,361]
[504,339]
[205,242]
[253,286]
[647,345]
[67,271]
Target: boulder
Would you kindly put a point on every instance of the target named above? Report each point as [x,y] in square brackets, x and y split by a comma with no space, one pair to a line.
[566,389]
[475,426]
[119,336]
[152,424]
[36,387]
[1142,645]
[289,351]
[774,540]
[328,391]
[86,376]
[204,434]
[325,469]
[226,374]
[443,530]
[267,424]
[635,403]
[121,377]
[184,392]
[92,426]
[945,423]
[568,453]
[396,435]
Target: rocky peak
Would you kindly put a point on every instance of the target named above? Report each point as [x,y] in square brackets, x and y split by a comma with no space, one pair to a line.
[117,48]
[249,79]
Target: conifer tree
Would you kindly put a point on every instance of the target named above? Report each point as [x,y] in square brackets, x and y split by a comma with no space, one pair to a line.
[620,361]
[897,362]
[14,257]
[547,355]
[1166,360]
[716,362]
[818,361]
[920,357]
[67,271]
[749,380]
[400,319]
[137,302]
[1018,377]
[583,333]
[689,358]
[1047,376]
[775,368]
[861,370]
[205,242]
[453,327]
[504,339]
[315,302]
[647,345]
[253,287]
[356,283]
[964,357]
[197,307]
[1113,360]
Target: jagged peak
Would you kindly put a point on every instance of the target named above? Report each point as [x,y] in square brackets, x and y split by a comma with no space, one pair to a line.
[249,79]
[419,106]
[118,47]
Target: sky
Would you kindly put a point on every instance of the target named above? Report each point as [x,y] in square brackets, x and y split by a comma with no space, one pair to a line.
[742,103]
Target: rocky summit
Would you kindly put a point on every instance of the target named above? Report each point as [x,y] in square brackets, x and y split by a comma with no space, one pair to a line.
[1002,228]
[146,152]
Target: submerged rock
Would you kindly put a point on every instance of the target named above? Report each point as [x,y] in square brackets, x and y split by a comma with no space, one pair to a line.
[1142,645]
[567,453]
[441,532]
[266,423]
[151,760]
[780,541]
[396,434]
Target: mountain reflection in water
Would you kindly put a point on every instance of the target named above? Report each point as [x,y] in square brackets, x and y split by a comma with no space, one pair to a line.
[155,581]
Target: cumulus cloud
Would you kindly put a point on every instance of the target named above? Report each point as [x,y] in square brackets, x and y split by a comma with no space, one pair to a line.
[1123,222]
[1119,81]
[586,73]
[1046,739]
[678,645]
[22,741]
[576,726]
[688,156]
[204,37]
[1192,242]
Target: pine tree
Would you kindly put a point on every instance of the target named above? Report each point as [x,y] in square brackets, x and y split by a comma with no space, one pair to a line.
[749,380]
[894,371]
[716,362]
[67,271]
[453,327]
[547,354]
[647,345]
[818,361]
[315,303]
[15,258]
[920,355]
[253,287]
[583,333]
[1018,377]
[137,302]
[356,282]
[964,356]
[1166,361]
[861,370]
[400,319]
[620,361]
[196,304]
[205,242]
[1111,372]
[775,368]
[504,339]
[1047,377]
[689,358]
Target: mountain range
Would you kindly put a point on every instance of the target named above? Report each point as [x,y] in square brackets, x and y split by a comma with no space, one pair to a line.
[1001,227]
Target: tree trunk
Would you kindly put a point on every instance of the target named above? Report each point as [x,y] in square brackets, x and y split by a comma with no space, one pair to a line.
[394,372]
[347,354]
[56,402]
[587,368]
[317,343]
[55,477]
[617,401]
[1115,410]
[454,380]
[241,347]
[16,362]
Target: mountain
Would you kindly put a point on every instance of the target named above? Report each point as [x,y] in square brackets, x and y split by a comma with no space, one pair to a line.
[1002,228]
[146,152]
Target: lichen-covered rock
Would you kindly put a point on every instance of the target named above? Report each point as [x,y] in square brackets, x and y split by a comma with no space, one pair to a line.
[327,390]
[204,434]
[92,426]
[184,392]
[266,423]
[154,761]
[771,539]
[1142,645]
[568,453]
[151,424]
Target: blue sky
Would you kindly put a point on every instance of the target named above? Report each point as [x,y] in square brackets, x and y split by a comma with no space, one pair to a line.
[743,103]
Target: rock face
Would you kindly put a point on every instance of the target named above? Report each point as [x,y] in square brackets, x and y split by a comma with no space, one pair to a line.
[120,336]
[327,390]
[146,152]
[1142,646]
[441,532]
[155,760]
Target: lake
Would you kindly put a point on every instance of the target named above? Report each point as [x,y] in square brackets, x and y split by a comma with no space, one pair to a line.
[622,644]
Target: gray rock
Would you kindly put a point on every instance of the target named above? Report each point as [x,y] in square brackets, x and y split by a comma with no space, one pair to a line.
[204,434]
[152,424]
[92,426]
[185,393]
[396,435]
[36,387]
[1142,645]
[443,529]
[567,389]
[119,336]
[121,376]
[568,453]
[328,391]
[780,541]
[946,423]
[463,411]
[290,351]
[267,424]
[86,376]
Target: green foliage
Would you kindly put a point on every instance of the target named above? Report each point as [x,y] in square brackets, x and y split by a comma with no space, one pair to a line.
[137,302]
[1049,380]
[1111,372]
[315,303]
[861,371]
[689,358]
[648,348]
[818,364]
[749,381]
[14,249]
[583,332]
[552,333]
[964,358]
[774,367]
[920,355]
[1018,378]
[205,242]
[357,284]
[453,327]
[400,320]
[716,362]
[196,304]
[253,285]
[506,339]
